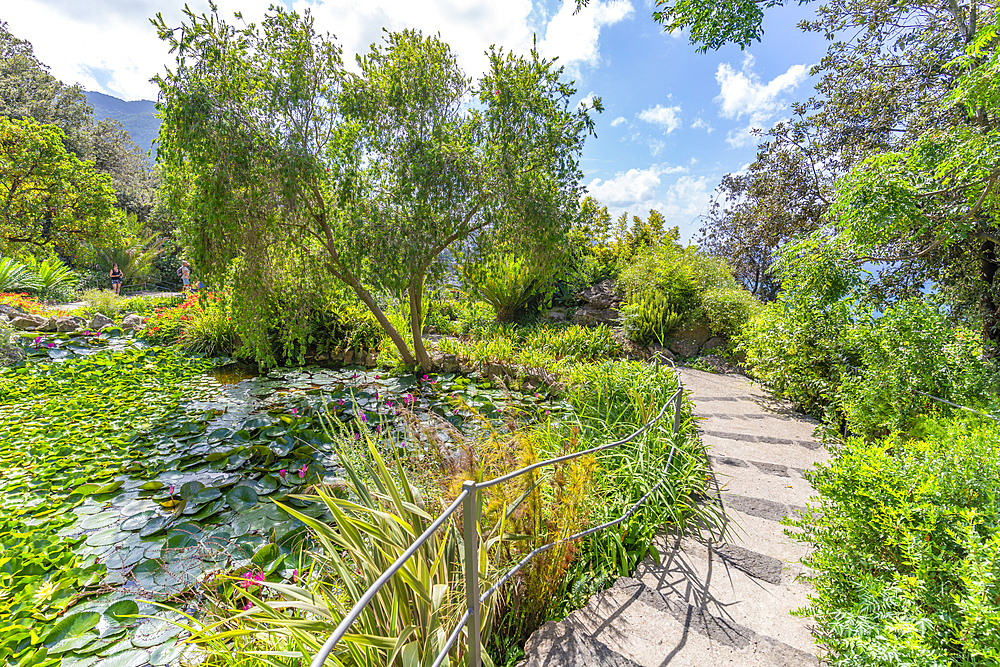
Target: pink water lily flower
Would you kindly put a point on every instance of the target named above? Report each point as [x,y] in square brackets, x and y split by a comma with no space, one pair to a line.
[37,340]
[340,401]
[171,491]
[295,411]
[424,378]
[408,399]
[50,345]
[378,429]
[388,404]
[363,417]
[246,606]
[281,473]
[302,471]
[295,575]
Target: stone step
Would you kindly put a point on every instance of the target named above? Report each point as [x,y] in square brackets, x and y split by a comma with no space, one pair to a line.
[752,483]
[650,629]
[794,456]
[760,424]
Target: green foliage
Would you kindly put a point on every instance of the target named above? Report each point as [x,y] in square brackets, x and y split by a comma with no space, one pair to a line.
[15,276]
[906,537]
[56,281]
[83,413]
[136,260]
[384,224]
[210,330]
[10,351]
[711,24]
[505,281]
[410,618]
[573,343]
[728,309]
[37,173]
[649,318]
[912,347]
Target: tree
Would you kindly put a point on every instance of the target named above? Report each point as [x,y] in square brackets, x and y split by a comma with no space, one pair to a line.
[128,166]
[49,198]
[369,177]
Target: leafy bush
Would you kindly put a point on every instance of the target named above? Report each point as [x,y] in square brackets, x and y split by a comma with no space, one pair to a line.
[907,548]
[166,323]
[649,318]
[16,276]
[911,348]
[505,281]
[728,309]
[104,302]
[661,270]
[573,343]
[55,280]
[210,329]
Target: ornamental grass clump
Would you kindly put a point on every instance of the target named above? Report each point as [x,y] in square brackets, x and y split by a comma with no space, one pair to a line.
[409,619]
[506,282]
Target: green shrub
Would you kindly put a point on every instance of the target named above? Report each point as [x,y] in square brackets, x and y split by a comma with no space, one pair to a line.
[104,302]
[649,318]
[573,343]
[906,538]
[15,276]
[911,348]
[210,331]
[661,270]
[728,309]
[56,281]
[505,281]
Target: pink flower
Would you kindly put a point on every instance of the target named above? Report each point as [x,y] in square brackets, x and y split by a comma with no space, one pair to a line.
[282,474]
[50,345]
[378,429]
[377,377]
[295,411]
[357,436]
[376,395]
[37,340]
[340,400]
[388,404]
[295,575]
[408,399]
[424,378]
[246,606]
[363,417]
[354,377]
[171,491]
[302,471]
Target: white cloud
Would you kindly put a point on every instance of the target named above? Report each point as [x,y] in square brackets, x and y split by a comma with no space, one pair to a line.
[574,38]
[618,121]
[665,117]
[72,37]
[587,101]
[632,187]
[700,123]
[743,94]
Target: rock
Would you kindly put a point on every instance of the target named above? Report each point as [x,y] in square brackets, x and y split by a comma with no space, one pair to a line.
[28,321]
[67,325]
[99,321]
[554,316]
[10,311]
[591,317]
[132,321]
[449,363]
[689,339]
[322,356]
[600,296]
[348,356]
[660,353]
[712,343]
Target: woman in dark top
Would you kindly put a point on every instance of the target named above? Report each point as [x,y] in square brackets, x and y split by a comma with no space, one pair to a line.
[116,279]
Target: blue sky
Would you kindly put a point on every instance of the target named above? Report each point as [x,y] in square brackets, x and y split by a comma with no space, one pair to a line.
[675,120]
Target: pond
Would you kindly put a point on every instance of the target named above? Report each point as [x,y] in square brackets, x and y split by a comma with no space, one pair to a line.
[160,473]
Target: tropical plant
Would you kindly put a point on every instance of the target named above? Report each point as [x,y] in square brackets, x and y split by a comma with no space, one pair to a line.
[136,260]
[16,276]
[408,620]
[649,317]
[55,279]
[505,281]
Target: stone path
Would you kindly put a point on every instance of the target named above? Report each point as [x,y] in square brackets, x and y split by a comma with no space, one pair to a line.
[712,604]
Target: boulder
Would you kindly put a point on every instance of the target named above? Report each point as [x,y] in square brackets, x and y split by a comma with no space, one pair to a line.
[99,321]
[132,321]
[554,316]
[29,321]
[712,343]
[600,296]
[591,317]
[449,363]
[67,324]
[660,354]
[10,311]
[688,339]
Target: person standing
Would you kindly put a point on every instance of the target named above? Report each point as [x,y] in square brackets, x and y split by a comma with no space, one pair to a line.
[185,272]
[116,276]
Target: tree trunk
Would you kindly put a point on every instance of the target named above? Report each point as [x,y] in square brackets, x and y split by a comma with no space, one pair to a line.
[991,321]
[365,295]
[416,291]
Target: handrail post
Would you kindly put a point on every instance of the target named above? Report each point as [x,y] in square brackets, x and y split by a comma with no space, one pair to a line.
[678,399]
[470,516]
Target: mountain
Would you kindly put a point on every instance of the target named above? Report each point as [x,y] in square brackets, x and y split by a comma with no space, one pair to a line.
[136,117]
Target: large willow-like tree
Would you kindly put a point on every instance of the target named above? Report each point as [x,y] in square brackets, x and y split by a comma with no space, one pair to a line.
[284,160]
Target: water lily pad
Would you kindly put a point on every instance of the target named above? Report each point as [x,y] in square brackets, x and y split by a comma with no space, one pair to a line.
[130,658]
[101,520]
[205,495]
[166,653]
[73,643]
[122,612]
[72,626]
[189,489]
[155,631]
[152,486]
[137,521]
[137,507]
[106,537]
[153,526]
[241,498]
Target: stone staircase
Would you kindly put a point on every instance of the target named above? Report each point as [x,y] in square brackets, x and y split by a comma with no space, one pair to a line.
[707,603]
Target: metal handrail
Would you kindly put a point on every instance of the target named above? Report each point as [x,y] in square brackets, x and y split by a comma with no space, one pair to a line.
[469,500]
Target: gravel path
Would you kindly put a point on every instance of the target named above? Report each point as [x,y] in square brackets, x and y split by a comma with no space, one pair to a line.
[713,604]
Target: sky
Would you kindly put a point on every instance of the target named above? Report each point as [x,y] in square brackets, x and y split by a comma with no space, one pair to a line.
[675,120]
